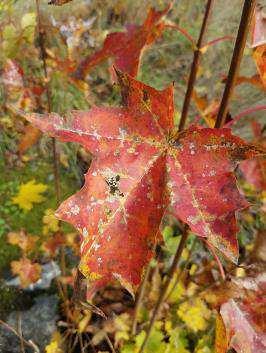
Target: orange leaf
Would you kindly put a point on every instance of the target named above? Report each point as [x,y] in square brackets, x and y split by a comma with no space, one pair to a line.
[30,137]
[23,240]
[54,243]
[221,344]
[27,271]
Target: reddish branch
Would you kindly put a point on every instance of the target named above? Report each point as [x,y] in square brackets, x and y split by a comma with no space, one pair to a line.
[240,43]
[194,66]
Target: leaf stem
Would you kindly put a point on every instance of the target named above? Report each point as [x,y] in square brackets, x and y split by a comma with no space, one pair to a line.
[49,100]
[247,12]
[194,66]
[184,32]
[165,286]
[244,113]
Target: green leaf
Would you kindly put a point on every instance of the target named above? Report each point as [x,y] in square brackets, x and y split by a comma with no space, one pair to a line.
[28,23]
[29,19]
[9,32]
[171,241]
[10,37]
[155,342]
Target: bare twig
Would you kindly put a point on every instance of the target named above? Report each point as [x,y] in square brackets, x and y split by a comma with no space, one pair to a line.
[22,347]
[216,257]
[182,270]
[184,32]
[194,66]
[165,286]
[245,112]
[139,299]
[41,32]
[247,12]
[110,344]
[28,343]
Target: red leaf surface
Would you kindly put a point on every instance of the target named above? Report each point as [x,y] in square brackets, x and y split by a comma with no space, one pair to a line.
[141,167]
[126,47]
[245,325]
[258,31]
[254,170]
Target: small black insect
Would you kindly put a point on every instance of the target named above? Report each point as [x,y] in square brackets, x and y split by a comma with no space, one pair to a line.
[113,184]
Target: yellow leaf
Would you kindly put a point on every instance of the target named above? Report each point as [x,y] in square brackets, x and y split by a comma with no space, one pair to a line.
[29,19]
[51,223]
[29,194]
[83,323]
[195,314]
[25,241]
[55,345]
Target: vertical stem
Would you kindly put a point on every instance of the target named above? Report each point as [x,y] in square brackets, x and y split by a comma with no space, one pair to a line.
[139,300]
[247,12]
[194,66]
[182,270]
[54,145]
[49,105]
[165,286]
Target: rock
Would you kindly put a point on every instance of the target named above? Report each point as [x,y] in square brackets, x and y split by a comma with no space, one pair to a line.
[37,324]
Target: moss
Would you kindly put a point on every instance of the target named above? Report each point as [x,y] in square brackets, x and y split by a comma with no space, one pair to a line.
[13,299]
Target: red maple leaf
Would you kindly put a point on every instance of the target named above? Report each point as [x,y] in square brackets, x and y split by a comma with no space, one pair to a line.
[245,322]
[140,168]
[126,47]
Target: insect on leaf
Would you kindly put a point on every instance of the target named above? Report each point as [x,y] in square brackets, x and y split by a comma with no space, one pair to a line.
[126,47]
[140,167]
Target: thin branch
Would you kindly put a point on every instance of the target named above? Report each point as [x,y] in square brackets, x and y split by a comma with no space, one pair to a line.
[139,299]
[244,113]
[240,43]
[215,41]
[194,66]
[110,344]
[216,257]
[182,270]
[22,348]
[165,287]
[41,32]
[184,32]
[28,343]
